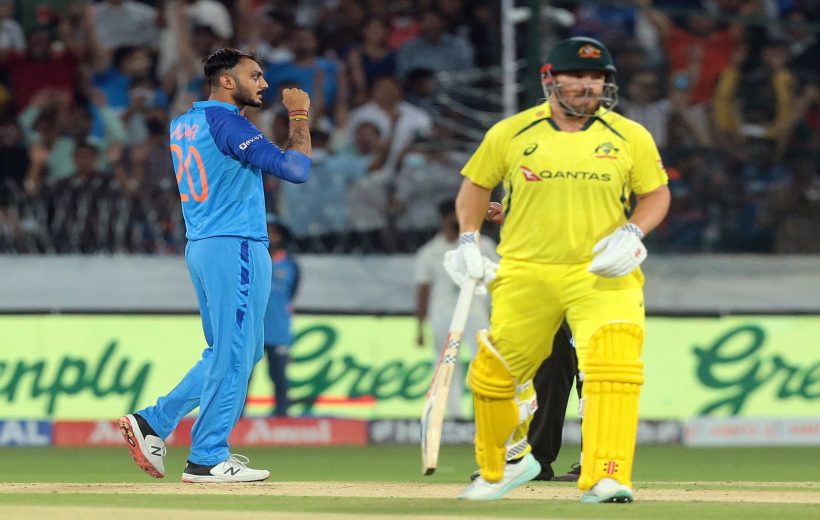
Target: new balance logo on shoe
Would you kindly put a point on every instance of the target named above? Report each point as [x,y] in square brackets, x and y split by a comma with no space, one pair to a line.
[148,457]
[232,470]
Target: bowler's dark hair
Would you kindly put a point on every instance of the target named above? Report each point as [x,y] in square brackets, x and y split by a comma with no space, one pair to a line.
[225,59]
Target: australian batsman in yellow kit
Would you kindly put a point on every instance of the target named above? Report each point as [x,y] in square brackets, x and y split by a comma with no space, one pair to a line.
[565,192]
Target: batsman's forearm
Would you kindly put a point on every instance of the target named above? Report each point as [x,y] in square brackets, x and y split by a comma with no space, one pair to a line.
[299,138]
[651,209]
[471,205]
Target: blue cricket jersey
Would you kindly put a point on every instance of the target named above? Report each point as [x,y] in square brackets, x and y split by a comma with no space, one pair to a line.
[283,286]
[219,157]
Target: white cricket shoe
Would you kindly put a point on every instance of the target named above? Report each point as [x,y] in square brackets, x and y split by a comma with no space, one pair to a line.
[232,470]
[514,476]
[608,490]
[146,448]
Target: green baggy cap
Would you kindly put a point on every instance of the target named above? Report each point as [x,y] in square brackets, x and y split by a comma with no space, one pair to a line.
[579,53]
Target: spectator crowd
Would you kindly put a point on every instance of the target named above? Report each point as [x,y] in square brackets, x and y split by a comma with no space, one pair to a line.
[401,91]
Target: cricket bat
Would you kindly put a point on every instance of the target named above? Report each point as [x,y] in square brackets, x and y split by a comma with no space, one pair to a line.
[432,418]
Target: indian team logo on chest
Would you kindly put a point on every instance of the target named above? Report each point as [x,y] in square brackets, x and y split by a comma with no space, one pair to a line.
[606,151]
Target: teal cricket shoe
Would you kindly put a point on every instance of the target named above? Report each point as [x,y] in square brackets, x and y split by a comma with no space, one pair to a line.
[608,490]
[514,476]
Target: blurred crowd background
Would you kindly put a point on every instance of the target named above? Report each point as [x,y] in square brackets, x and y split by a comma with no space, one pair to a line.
[402,91]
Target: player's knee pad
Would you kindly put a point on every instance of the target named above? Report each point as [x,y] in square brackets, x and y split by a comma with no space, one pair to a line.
[489,376]
[501,407]
[612,382]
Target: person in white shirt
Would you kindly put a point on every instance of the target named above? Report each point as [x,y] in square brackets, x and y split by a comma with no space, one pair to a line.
[197,13]
[387,105]
[273,47]
[436,297]
[119,23]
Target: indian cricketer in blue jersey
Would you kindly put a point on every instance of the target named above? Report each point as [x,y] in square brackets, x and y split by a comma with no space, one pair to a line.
[283,286]
[219,158]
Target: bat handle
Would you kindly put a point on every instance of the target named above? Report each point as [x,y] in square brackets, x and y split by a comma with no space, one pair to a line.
[465,298]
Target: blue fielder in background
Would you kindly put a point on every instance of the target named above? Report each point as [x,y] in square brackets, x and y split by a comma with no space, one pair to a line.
[283,287]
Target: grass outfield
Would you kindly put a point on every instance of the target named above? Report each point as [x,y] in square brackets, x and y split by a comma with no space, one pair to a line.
[707,474]
[396,463]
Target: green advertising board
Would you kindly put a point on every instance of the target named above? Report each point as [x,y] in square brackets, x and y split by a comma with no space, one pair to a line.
[96,367]
[749,366]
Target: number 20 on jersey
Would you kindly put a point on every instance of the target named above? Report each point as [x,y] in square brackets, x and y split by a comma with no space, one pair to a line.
[185,160]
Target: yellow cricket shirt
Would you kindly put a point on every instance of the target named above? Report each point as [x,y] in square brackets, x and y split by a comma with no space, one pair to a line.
[565,190]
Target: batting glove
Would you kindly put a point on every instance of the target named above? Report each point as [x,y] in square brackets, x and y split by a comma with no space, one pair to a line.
[467,261]
[620,253]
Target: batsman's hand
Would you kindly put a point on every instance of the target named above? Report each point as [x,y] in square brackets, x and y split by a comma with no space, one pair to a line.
[466,261]
[495,213]
[620,253]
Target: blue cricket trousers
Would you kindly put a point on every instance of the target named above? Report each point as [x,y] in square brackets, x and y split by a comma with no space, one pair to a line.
[231,276]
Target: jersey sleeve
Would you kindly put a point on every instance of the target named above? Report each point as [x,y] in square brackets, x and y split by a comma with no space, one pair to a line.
[486,167]
[236,137]
[648,173]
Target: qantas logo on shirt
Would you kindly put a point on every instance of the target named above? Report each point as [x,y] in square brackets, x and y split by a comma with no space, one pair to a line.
[247,143]
[529,175]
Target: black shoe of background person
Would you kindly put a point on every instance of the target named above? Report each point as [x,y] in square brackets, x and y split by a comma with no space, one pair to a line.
[546,475]
[571,476]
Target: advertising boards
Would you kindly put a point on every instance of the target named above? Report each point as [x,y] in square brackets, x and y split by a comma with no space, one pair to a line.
[97,367]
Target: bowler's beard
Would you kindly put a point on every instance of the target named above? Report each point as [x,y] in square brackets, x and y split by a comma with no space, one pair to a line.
[245,98]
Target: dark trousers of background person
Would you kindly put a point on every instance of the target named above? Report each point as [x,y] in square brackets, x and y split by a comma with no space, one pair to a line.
[277,356]
[553,383]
